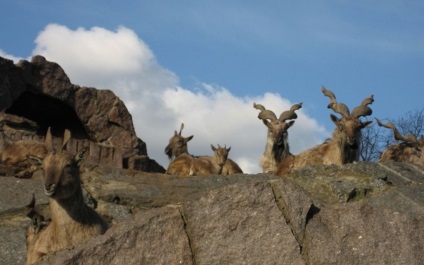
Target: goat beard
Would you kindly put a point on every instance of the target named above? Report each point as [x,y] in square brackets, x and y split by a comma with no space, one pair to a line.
[279,150]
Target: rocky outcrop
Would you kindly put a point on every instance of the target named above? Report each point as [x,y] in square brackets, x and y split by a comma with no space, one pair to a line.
[364,213]
[39,92]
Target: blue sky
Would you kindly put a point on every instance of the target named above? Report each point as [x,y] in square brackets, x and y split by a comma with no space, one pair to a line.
[210,52]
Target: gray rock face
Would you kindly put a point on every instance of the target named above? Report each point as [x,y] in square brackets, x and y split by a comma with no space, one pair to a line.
[40,93]
[364,213]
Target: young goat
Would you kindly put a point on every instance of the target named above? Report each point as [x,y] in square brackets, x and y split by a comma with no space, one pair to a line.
[408,151]
[187,165]
[178,146]
[14,153]
[343,147]
[72,221]
[277,146]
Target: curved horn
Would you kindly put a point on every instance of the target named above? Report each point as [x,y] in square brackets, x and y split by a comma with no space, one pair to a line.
[385,125]
[329,94]
[290,114]
[363,109]
[398,136]
[296,106]
[340,108]
[258,106]
[265,114]
[367,101]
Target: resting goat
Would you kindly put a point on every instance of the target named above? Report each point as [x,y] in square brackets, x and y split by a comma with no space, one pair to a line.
[178,146]
[187,165]
[14,153]
[408,151]
[72,221]
[343,147]
[277,146]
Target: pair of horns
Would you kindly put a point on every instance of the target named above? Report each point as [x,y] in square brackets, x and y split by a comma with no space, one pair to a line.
[285,115]
[342,109]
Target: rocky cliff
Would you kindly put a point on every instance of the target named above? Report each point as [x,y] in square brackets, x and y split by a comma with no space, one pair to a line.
[40,95]
[361,213]
[364,213]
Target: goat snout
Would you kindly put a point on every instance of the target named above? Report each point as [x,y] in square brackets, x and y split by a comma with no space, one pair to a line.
[50,189]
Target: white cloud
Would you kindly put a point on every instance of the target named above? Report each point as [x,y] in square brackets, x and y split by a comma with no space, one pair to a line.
[122,62]
[9,56]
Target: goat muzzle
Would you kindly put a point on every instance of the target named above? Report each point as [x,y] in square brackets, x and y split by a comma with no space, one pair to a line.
[50,190]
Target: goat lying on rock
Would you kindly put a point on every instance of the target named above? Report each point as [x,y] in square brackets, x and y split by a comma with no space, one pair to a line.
[72,221]
[343,147]
[187,165]
[14,153]
[178,147]
[409,150]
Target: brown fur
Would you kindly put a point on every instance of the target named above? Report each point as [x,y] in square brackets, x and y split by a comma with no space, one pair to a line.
[187,165]
[409,150]
[406,152]
[277,146]
[72,221]
[342,148]
[177,144]
[230,168]
[14,153]
[180,166]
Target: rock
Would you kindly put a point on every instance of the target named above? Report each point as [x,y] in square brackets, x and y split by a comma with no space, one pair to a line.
[362,213]
[156,236]
[308,217]
[240,224]
[92,115]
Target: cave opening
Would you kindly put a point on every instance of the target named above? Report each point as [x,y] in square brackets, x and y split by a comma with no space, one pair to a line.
[48,112]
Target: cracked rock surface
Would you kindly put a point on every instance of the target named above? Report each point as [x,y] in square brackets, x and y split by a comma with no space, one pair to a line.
[364,213]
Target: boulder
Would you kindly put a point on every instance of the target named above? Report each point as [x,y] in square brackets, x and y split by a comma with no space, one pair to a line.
[361,213]
[39,94]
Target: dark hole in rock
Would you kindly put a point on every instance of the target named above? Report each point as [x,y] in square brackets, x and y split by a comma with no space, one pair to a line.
[47,111]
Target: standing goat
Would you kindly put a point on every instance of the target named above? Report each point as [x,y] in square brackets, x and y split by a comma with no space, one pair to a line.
[72,221]
[408,151]
[343,147]
[187,165]
[178,147]
[277,146]
[14,153]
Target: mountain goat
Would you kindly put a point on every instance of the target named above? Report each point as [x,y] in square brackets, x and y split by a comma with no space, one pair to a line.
[409,150]
[187,165]
[277,146]
[72,221]
[178,146]
[343,147]
[14,153]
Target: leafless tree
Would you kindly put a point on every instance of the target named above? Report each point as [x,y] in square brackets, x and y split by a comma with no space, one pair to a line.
[376,139]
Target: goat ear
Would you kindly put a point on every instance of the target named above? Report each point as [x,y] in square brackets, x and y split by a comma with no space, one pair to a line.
[81,155]
[334,119]
[213,147]
[365,124]
[228,149]
[35,160]
[188,138]
[66,138]
[49,140]
[266,122]
[290,123]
